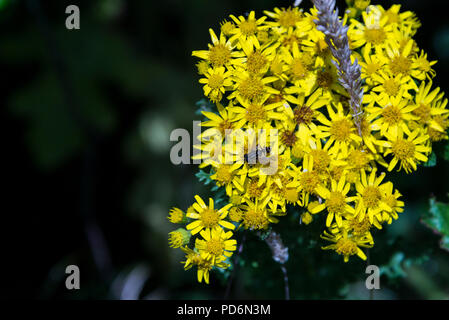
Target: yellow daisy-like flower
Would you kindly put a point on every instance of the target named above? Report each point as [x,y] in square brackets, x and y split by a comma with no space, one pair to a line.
[249,87]
[428,109]
[256,114]
[373,32]
[176,215]
[207,217]
[371,64]
[335,201]
[392,116]
[339,129]
[408,152]
[284,19]
[256,215]
[246,28]
[389,86]
[178,238]
[216,82]
[347,245]
[216,246]
[406,19]
[221,52]
[369,199]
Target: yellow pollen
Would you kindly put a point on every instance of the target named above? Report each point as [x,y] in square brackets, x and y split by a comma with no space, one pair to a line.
[360,227]
[219,55]
[400,65]
[298,69]
[321,160]
[209,217]
[423,112]
[403,149]
[289,17]
[255,113]
[235,214]
[392,115]
[358,159]
[255,220]
[336,202]
[254,191]
[303,114]
[256,61]
[215,81]
[371,197]
[215,247]
[341,129]
[227,27]
[391,87]
[375,35]
[372,68]
[248,27]
[251,88]
[346,247]
[309,181]
[391,201]
[223,175]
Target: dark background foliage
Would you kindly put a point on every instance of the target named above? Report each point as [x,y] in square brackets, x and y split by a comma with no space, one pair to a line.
[87,177]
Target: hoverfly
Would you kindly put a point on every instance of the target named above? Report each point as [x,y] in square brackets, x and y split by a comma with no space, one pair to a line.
[254,156]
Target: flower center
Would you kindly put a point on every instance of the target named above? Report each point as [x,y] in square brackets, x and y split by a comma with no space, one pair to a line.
[403,149]
[325,79]
[219,55]
[288,18]
[309,181]
[223,174]
[400,65]
[216,81]
[289,138]
[303,114]
[392,115]
[341,129]
[255,219]
[255,113]
[321,160]
[256,61]
[391,87]
[210,218]
[346,247]
[375,35]
[423,112]
[360,227]
[336,202]
[215,247]
[254,191]
[358,159]
[371,197]
[251,88]
[248,27]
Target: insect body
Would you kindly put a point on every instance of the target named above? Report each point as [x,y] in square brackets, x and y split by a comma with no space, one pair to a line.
[254,156]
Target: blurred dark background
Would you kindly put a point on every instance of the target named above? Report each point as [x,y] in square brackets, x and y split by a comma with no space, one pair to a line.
[86,172]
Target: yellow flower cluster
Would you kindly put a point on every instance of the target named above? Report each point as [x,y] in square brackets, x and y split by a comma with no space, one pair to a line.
[277,73]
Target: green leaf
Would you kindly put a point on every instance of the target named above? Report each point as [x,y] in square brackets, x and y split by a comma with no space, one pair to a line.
[432,162]
[204,177]
[438,220]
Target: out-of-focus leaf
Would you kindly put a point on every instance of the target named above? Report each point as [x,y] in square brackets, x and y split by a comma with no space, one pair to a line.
[432,162]
[438,220]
